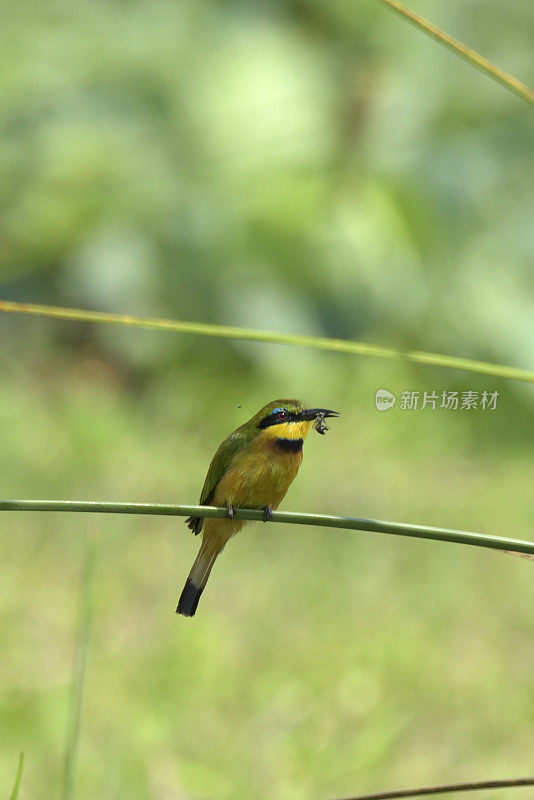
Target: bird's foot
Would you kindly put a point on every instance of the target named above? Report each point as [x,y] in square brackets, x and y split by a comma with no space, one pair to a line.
[231,511]
[267,513]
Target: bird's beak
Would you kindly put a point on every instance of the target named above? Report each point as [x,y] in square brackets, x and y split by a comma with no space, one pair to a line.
[313,413]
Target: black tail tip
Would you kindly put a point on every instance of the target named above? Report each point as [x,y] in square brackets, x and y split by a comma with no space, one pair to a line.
[188,602]
[195,524]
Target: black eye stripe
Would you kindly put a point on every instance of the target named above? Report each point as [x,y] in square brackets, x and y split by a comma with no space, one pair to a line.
[281,415]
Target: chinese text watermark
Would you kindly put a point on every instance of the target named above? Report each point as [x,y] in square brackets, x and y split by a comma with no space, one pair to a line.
[450,401]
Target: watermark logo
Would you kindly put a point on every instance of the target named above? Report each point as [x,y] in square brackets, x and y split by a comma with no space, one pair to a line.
[384,400]
[450,401]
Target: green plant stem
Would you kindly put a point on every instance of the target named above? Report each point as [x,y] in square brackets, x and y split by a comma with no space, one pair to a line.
[18,777]
[248,334]
[292,517]
[80,663]
[445,788]
[471,56]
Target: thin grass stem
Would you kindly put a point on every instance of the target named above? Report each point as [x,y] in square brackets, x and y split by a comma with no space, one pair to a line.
[249,334]
[18,778]
[80,663]
[460,49]
[445,788]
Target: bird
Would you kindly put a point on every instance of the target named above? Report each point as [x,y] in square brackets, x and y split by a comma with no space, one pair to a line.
[252,468]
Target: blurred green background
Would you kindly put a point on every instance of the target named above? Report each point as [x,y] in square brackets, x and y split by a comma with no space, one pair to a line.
[312,167]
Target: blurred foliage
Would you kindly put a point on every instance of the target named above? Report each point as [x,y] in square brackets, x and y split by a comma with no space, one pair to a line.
[310,167]
[300,166]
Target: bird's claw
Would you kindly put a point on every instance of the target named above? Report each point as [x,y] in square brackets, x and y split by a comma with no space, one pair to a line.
[267,513]
[231,511]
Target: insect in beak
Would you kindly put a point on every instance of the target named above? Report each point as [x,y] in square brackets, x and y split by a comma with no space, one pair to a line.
[318,415]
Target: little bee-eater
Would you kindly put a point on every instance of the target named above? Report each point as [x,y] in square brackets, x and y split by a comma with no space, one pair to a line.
[253,468]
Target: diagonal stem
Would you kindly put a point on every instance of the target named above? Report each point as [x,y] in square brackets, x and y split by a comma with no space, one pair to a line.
[249,334]
[444,789]
[471,56]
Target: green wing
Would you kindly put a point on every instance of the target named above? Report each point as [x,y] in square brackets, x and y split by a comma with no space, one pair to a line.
[220,464]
